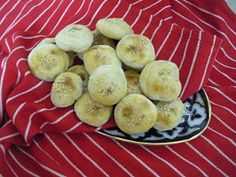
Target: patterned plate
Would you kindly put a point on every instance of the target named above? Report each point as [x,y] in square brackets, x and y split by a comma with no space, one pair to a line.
[196,117]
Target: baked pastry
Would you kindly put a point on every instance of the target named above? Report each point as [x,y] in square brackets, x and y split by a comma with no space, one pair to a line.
[114,28]
[77,38]
[107,85]
[100,39]
[159,80]
[81,71]
[71,57]
[92,112]
[169,114]
[66,89]
[132,78]
[47,41]
[135,114]
[135,51]
[100,55]
[47,61]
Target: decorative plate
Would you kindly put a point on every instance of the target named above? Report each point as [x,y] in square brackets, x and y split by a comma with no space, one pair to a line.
[196,117]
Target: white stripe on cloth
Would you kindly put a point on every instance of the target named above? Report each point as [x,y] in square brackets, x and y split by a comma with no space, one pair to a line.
[78,10]
[225,75]
[210,13]
[192,65]
[49,18]
[61,17]
[167,18]
[8,12]
[18,69]
[224,107]
[177,45]
[163,160]
[31,119]
[39,163]
[64,156]
[14,24]
[195,24]
[223,123]
[96,12]
[227,56]
[137,159]
[211,26]
[187,161]
[43,98]
[25,92]
[214,83]
[22,166]
[10,167]
[2,7]
[45,152]
[86,156]
[22,105]
[222,93]
[8,47]
[165,40]
[113,10]
[2,78]
[85,14]
[206,159]
[162,9]
[57,119]
[136,18]
[17,111]
[39,16]
[157,28]
[155,3]
[28,37]
[207,64]
[9,136]
[108,155]
[225,66]
[146,27]
[225,137]
[138,1]
[188,20]
[218,150]
[73,128]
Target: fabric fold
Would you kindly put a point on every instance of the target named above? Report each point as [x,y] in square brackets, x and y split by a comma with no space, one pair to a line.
[26,100]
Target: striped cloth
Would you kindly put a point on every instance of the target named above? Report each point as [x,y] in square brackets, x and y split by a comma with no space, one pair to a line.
[36,139]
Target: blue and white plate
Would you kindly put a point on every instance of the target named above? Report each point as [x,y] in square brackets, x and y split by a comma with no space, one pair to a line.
[196,117]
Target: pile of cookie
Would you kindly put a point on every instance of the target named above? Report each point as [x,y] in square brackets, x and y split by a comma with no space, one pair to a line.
[119,71]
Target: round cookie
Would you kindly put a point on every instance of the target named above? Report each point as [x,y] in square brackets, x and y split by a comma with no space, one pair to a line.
[66,89]
[100,55]
[135,51]
[81,71]
[46,41]
[159,80]
[47,61]
[135,114]
[132,78]
[114,28]
[100,39]
[73,37]
[92,112]
[169,114]
[107,85]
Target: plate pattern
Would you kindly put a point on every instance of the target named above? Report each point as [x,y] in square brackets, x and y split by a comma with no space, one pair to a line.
[195,120]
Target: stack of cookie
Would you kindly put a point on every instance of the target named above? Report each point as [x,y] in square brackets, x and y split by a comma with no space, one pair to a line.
[119,70]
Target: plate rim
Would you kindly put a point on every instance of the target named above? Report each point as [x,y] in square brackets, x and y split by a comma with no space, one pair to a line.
[166,143]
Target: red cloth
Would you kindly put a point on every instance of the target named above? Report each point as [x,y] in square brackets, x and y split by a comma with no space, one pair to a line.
[40,140]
